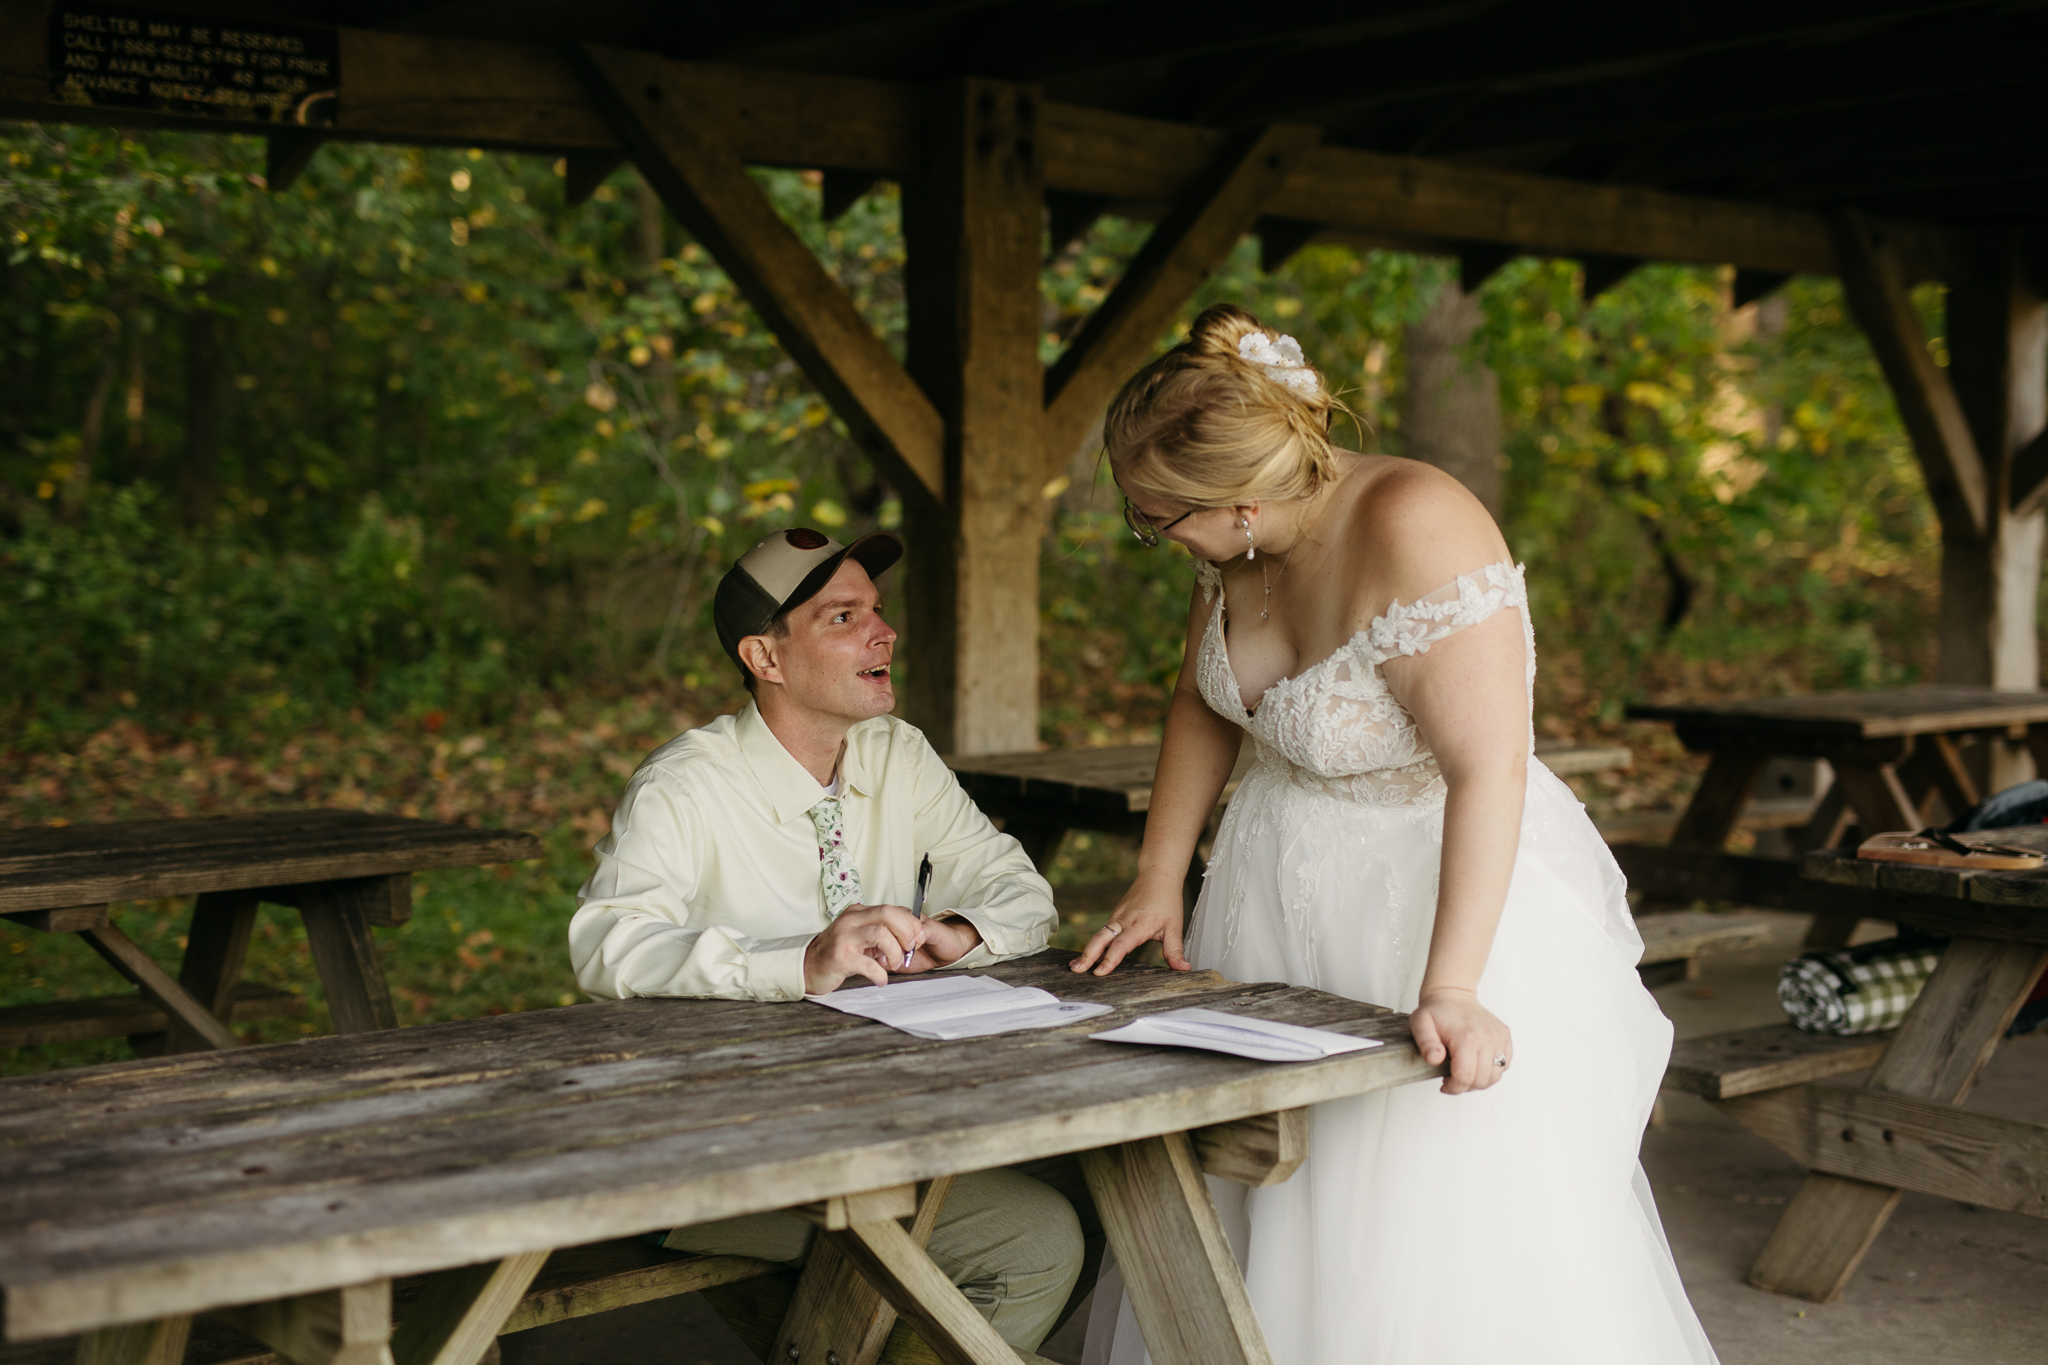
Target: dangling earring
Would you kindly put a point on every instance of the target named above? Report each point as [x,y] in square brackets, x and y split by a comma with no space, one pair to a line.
[1251,551]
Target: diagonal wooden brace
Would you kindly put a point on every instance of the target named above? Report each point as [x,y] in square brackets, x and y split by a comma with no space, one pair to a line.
[458,1312]
[838,1314]
[895,1264]
[122,953]
[1190,242]
[704,183]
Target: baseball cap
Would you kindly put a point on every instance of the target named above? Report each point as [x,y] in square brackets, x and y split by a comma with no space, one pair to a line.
[785,570]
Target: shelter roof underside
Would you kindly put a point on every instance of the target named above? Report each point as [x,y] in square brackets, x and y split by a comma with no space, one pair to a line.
[1903,108]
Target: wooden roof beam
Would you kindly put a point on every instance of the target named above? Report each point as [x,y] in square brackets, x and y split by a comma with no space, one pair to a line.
[1181,252]
[413,88]
[1875,286]
[704,183]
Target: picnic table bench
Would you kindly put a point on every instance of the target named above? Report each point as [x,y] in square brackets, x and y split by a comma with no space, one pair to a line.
[1901,1127]
[1039,796]
[344,871]
[1893,752]
[281,1190]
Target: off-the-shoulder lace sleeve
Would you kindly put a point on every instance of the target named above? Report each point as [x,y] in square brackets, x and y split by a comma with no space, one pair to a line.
[1463,602]
[1209,578]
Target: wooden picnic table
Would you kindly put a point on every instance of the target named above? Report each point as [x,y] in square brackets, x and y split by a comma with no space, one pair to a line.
[345,871]
[1892,752]
[1901,1127]
[291,1183]
[1039,796]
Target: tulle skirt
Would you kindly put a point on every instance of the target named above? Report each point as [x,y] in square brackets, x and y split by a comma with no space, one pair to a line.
[1513,1224]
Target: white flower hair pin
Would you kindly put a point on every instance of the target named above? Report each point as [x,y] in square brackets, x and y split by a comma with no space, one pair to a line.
[1284,362]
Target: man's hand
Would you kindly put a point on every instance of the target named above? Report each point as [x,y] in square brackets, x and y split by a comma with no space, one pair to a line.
[867,941]
[946,941]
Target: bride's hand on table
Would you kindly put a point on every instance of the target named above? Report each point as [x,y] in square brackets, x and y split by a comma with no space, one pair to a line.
[1150,910]
[1451,1022]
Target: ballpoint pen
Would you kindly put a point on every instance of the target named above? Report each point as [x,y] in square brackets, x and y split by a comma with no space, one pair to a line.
[924,879]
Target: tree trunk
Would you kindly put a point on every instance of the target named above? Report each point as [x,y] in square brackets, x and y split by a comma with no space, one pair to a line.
[199,478]
[1451,417]
[89,429]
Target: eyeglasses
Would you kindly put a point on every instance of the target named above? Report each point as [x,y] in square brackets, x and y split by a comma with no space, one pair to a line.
[1142,527]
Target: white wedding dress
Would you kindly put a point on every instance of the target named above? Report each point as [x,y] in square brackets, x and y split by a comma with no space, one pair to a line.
[1509,1225]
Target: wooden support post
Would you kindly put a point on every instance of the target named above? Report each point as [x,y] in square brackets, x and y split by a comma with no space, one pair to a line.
[122,953]
[1998,347]
[837,1313]
[974,225]
[1946,1039]
[703,182]
[347,1326]
[345,955]
[1185,1287]
[137,1343]
[458,1313]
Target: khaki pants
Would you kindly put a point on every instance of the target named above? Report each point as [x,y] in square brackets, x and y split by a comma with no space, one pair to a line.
[1012,1245]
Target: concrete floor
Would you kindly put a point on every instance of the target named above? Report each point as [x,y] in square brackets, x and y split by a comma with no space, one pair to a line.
[1944,1283]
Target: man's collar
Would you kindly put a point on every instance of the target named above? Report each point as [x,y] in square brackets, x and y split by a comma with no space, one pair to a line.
[791,788]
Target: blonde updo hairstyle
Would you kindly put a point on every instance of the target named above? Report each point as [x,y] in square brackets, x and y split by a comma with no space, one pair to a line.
[1202,427]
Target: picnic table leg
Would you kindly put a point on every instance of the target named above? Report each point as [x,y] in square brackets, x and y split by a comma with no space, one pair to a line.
[1185,1286]
[1946,1039]
[125,957]
[337,916]
[347,1326]
[1881,803]
[455,1319]
[214,952]
[837,1313]
[1716,808]
[897,1266]
[137,1343]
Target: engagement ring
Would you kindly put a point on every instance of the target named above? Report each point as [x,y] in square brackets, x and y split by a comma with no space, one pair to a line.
[1500,1061]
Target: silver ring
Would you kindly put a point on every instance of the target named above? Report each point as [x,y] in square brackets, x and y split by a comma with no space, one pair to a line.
[1500,1061]
[1112,928]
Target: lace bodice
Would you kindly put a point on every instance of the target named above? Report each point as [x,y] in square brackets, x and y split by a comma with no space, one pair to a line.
[1335,725]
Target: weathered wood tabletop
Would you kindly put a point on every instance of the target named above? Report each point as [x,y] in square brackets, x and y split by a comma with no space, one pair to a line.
[1902,1128]
[154,1189]
[345,871]
[1892,751]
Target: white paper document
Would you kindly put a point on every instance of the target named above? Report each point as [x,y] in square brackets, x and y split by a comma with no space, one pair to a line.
[1262,1040]
[959,1006]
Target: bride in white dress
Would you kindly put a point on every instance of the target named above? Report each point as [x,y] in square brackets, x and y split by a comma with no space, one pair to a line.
[1359,617]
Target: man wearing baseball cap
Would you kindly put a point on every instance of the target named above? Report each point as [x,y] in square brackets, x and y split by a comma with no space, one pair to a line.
[774,853]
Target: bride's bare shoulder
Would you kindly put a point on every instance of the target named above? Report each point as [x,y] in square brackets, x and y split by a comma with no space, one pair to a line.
[1420,528]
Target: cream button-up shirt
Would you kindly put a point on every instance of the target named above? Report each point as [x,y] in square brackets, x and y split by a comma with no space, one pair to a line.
[708,883]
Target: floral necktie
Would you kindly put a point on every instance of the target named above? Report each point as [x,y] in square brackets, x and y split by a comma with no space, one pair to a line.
[836,872]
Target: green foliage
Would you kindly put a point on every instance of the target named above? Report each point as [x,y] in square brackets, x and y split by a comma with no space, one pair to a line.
[473,444]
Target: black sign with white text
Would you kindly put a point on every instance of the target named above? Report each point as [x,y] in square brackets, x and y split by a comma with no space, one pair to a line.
[115,56]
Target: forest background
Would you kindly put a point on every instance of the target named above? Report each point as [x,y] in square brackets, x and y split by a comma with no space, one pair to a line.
[405,489]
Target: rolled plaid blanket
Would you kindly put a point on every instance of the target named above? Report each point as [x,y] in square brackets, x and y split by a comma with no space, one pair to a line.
[1858,990]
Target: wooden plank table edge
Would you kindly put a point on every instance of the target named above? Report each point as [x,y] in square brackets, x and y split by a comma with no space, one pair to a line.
[60,1303]
[272,873]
